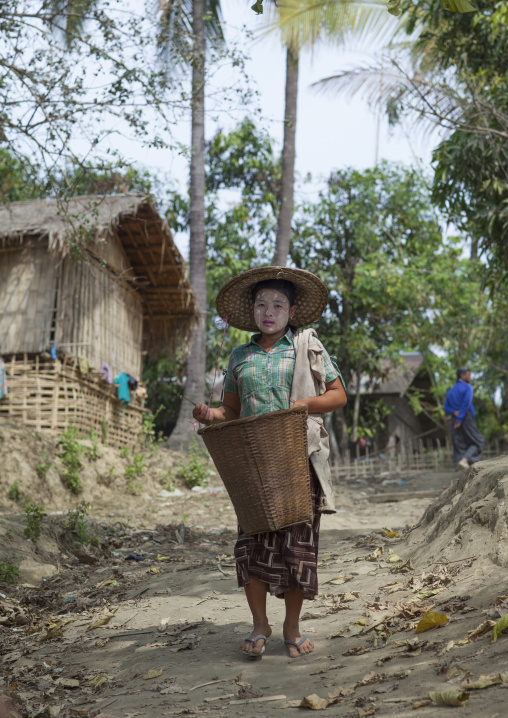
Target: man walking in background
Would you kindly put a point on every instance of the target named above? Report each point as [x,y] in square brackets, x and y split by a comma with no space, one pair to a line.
[466,438]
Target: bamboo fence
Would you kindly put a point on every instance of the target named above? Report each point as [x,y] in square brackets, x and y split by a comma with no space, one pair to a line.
[419,455]
[48,395]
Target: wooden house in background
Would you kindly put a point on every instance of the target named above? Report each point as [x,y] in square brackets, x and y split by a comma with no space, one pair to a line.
[403,427]
[92,281]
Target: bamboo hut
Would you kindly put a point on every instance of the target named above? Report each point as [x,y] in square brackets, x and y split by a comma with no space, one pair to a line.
[83,283]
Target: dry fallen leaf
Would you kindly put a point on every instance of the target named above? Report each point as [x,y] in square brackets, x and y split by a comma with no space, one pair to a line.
[482,629]
[350,596]
[392,556]
[421,704]
[499,627]
[340,692]
[403,568]
[104,619]
[338,580]
[358,651]
[388,533]
[366,711]
[314,702]
[426,594]
[51,633]
[431,620]
[152,673]
[484,682]
[340,632]
[449,698]
[455,672]
[99,680]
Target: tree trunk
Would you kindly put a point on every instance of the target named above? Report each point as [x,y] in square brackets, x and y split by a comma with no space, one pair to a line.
[283,240]
[356,407]
[334,446]
[339,417]
[196,362]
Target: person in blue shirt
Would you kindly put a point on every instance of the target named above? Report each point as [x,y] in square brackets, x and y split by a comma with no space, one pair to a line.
[466,438]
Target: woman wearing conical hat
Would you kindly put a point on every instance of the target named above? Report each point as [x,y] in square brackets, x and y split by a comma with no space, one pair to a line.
[280,367]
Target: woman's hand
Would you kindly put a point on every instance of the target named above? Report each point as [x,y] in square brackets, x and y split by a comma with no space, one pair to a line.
[302,402]
[203,414]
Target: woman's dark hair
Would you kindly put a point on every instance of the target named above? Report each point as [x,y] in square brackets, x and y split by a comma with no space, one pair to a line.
[280,285]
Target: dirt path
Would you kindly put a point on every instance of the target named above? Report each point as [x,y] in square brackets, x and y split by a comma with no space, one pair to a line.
[172,623]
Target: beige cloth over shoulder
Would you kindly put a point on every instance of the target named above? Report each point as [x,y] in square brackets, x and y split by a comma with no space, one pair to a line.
[309,380]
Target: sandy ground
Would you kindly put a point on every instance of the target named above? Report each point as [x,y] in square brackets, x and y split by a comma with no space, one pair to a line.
[160,637]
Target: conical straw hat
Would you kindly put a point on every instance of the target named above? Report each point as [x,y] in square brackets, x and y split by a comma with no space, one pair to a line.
[235,301]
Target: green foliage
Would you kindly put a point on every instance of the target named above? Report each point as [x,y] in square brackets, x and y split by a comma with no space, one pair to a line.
[163,378]
[9,572]
[42,467]
[465,56]
[194,471]
[46,102]
[14,492]
[18,180]
[148,428]
[372,421]
[166,480]
[70,453]
[94,451]
[375,240]
[243,176]
[34,515]
[77,524]
[124,452]
[134,470]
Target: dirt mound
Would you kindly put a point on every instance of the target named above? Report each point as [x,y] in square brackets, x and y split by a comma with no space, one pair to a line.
[32,469]
[468,519]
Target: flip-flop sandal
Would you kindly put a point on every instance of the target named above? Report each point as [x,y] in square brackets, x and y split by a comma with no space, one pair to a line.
[297,646]
[253,641]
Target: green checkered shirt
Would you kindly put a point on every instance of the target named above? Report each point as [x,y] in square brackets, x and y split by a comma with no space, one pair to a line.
[263,379]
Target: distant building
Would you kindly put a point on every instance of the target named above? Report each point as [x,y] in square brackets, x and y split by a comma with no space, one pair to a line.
[403,425]
[92,281]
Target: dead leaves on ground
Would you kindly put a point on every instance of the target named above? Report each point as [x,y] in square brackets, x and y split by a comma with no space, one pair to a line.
[103,619]
[431,620]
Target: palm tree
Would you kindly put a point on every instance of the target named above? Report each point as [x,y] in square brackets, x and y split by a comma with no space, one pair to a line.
[201,19]
[302,24]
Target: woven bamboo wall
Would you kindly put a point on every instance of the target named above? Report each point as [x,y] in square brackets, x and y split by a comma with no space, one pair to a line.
[99,317]
[47,396]
[28,276]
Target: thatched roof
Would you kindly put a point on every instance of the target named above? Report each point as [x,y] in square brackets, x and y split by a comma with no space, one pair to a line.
[154,268]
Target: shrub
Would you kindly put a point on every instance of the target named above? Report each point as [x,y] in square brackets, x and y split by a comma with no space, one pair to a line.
[9,572]
[77,523]
[34,516]
[93,452]
[43,467]
[70,453]
[135,469]
[14,492]
[194,472]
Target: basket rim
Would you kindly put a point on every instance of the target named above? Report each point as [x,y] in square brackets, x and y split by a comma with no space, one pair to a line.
[250,419]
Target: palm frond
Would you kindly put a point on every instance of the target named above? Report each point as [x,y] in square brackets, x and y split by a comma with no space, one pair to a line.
[69,16]
[302,23]
[176,18]
[434,101]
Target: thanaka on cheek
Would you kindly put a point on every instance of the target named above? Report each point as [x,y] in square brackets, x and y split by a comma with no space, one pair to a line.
[271,311]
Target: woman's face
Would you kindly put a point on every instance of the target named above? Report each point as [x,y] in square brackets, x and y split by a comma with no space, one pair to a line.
[272,312]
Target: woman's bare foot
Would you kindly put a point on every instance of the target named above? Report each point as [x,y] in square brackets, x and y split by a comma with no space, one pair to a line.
[292,633]
[261,629]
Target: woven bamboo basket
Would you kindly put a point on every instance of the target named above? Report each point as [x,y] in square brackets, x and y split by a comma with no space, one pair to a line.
[263,463]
